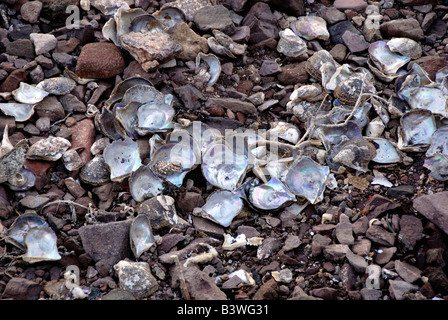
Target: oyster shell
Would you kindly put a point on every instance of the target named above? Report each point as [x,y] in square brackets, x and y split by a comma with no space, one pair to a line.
[218,48]
[95,172]
[143,93]
[375,127]
[214,66]
[270,196]
[356,154]
[12,157]
[222,206]
[126,115]
[72,160]
[20,111]
[24,179]
[143,184]
[406,47]
[40,245]
[417,127]
[439,142]
[223,168]
[429,98]
[384,59]
[309,92]
[202,134]
[286,131]
[121,88]
[226,41]
[48,149]
[170,16]
[153,117]
[385,152]
[29,94]
[307,179]
[291,45]
[438,165]
[331,136]
[23,223]
[316,61]
[349,90]
[141,237]
[109,7]
[311,27]
[108,125]
[145,23]
[172,161]
[122,157]
[57,86]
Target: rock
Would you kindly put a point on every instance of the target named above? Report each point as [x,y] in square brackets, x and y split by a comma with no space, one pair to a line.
[291,243]
[214,17]
[435,208]
[34,202]
[384,255]
[150,49]
[325,293]
[191,42]
[74,187]
[22,289]
[50,107]
[21,48]
[370,294]
[378,205]
[356,5]
[344,233]
[331,14]
[381,236]
[397,288]
[354,42]
[319,243]
[267,291]
[83,135]
[268,248]
[48,149]
[411,231]
[30,11]
[100,60]
[43,124]
[136,278]
[187,201]
[71,103]
[431,64]
[241,35]
[236,105]
[99,245]
[190,96]
[348,277]
[294,7]
[236,5]
[118,294]
[200,286]
[269,68]
[12,82]
[262,23]
[402,190]
[438,279]
[336,252]
[338,29]
[161,211]
[407,272]
[43,42]
[362,247]
[338,52]
[407,28]
[293,74]
[358,263]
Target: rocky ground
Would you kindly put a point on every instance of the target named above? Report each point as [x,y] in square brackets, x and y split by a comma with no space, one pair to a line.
[363,241]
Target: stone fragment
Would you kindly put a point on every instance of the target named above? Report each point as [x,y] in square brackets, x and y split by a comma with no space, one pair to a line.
[293,74]
[431,64]
[191,42]
[268,247]
[438,279]
[435,208]
[22,289]
[190,96]
[267,291]
[407,28]
[331,14]
[354,42]
[358,263]
[150,49]
[370,294]
[407,272]
[21,48]
[325,293]
[336,252]
[99,60]
[83,135]
[380,235]
[262,23]
[136,277]
[161,211]
[269,68]
[411,231]
[98,243]
[12,82]
[356,5]
[214,17]
[50,107]
[30,11]
[397,289]
[344,233]
[71,103]
[200,286]
[236,105]
[43,42]
[319,243]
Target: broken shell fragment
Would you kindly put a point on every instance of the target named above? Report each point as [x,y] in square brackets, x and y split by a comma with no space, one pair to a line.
[439,142]
[95,172]
[349,90]
[270,196]
[223,168]
[109,7]
[40,245]
[290,44]
[23,223]
[121,88]
[153,117]
[49,149]
[356,154]
[331,136]
[122,157]
[214,66]
[108,125]
[316,61]
[307,179]
[222,207]
[170,16]
[433,99]
[385,152]
[438,165]
[72,160]
[145,23]
[58,86]
[29,94]
[406,47]
[143,184]
[11,158]
[384,59]
[20,111]
[141,237]
[286,131]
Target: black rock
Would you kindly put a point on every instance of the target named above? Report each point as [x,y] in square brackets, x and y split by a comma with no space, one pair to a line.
[336,31]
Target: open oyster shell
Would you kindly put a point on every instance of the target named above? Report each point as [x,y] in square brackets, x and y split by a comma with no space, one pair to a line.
[270,196]
[122,157]
[29,94]
[23,223]
[290,44]
[222,206]
[23,179]
[143,184]
[307,179]
[141,237]
[417,127]
[20,111]
[214,67]
[355,154]
[153,117]
[439,142]
[438,165]
[57,86]
[95,172]
[40,245]
[48,149]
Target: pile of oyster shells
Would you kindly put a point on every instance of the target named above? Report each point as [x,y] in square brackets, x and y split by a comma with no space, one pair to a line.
[265,171]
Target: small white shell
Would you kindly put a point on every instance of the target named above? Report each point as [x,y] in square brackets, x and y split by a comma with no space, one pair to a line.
[20,111]
[141,236]
[40,244]
[29,94]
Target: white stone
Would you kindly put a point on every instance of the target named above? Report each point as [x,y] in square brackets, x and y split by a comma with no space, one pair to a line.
[43,43]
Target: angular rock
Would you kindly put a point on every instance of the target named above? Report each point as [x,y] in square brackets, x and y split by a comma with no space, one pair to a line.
[100,246]
[99,60]
[268,248]
[325,293]
[190,96]
[438,279]
[370,294]
[384,255]
[336,252]
[355,42]
[338,29]
[236,105]
[435,208]
[43,42]
[200,286]
[269,68]
[431,64]
[12,82]
[191,42]
[407,272]
[136,278]
[293,74]
[344,233]
[331,14]
[160,210]
[378,205]
[411,231]
[50,107]
[267,291]
[83,135]
[403,190]
[214,17]
[358,263]
[407,28]
[356,5]
[21,48]
[398,287]
[22,289]
[293,7]
[381,236]
[30,11]
[71,103]
[150,49]
[262,23]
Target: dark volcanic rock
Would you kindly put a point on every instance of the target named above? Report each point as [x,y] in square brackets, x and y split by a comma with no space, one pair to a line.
[262,23]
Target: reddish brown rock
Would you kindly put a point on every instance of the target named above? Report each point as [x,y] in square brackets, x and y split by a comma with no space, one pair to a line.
[13,80]
[83,135]
[22,289]
[431,64]
[293,74]
[100,60]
